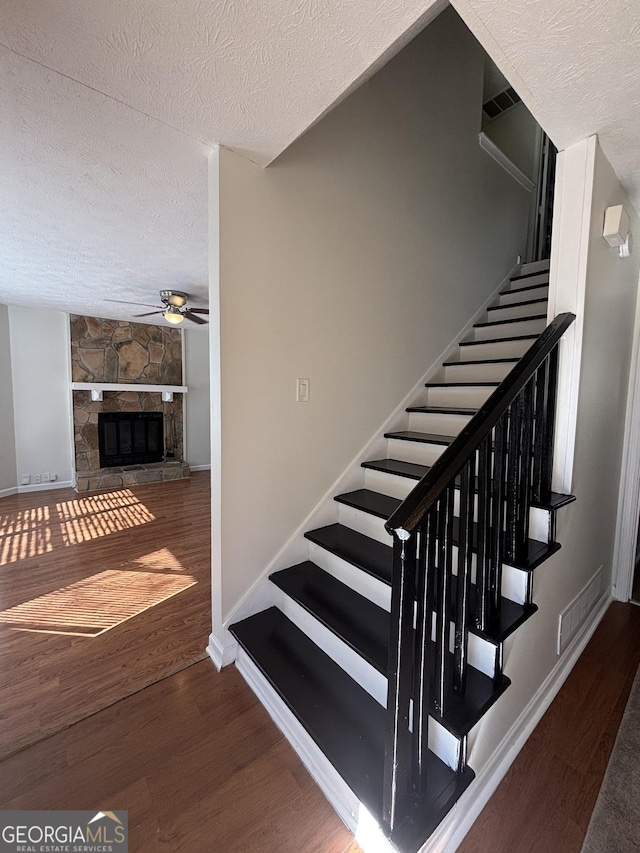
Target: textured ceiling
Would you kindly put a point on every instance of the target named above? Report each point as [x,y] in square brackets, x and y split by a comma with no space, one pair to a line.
[576,65]
[107,112]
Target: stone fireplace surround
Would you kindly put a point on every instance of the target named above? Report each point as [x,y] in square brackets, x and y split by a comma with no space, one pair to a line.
[120,353]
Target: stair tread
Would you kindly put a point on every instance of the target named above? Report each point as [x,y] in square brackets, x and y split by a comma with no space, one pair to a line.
[372,502]
[397,466]
[442,410]
[365,627]
[361,551]
[461,384]
[529,275]
[498,340]
[510,320]
[346,723]
[525,289]
[359,622]
[425,437]
[506,360]
[517,304]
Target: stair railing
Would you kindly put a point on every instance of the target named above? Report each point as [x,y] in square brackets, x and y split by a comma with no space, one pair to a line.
[499,464]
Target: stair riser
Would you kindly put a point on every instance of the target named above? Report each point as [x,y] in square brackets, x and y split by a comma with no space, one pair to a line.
[366,585]
[499,349]
[507,330]
[485,372]
[535,266]
[515,296]
[413,451]
[463,398]
[541,278]
[437,423]
[512,312]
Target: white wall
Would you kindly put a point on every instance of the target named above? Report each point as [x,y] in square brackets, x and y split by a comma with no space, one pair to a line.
[7,433]
[515,134]
[352,261]
[196,376]
[42,403]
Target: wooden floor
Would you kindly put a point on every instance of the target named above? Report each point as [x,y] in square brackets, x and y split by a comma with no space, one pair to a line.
[545,801]
[100,595]
[200,767]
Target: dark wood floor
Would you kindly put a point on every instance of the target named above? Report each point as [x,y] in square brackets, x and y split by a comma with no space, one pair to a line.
[100,595]
[545,801]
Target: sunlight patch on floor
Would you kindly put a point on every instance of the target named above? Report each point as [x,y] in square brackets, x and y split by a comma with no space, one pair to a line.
[160,559]
[26,533]
[83,519]
[96,604]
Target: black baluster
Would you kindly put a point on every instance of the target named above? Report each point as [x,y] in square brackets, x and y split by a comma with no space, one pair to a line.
[497,519]
[421,681]
[513,479]
[550,424]
[443,597]
[463,589]
[526,461]
[483,537]
[540,427]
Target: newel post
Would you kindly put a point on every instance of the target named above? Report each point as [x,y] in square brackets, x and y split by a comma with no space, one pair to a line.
[398,759]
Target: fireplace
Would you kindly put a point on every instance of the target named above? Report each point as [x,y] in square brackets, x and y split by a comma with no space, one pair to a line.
[130,438]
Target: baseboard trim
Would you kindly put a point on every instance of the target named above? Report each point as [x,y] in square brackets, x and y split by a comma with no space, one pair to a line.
[449,835]
[222,655]
[199,467]
[44,487]
[5,493]
[335,789]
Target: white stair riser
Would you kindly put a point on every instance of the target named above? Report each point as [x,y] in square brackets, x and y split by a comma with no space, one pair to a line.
[507,330]
[484,372]
[437,423]
[388,484]
[511,312]
[364,584]
[365,523]
[466,397]
[420,452]
[534,266]
[519,296]
[496,349]
[540,278]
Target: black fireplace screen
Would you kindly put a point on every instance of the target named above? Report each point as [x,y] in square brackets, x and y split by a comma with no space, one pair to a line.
[130,438]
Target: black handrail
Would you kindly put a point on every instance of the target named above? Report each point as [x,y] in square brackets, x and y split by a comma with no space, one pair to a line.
[422,497]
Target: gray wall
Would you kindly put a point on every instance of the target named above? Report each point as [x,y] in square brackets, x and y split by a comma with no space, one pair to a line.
[7,432]
[353,260]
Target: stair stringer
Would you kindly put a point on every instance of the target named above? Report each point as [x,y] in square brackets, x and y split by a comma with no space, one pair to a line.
[223,649]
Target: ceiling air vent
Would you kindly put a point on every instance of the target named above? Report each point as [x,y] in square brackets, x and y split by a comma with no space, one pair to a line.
[501,102]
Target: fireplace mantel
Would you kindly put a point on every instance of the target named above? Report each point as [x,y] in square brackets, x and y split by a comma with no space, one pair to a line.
[98,388]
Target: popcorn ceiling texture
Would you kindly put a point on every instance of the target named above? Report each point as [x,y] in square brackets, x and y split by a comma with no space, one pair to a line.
[121,352]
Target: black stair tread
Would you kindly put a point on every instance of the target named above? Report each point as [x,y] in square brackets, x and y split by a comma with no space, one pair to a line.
[528,275]
[499,340]
[396,466]
[345,722]
[517,304]
[510,320]
[359,622]
[369,501]
[365,628]
[528,288]
[512,615]
[361,551]
[461,384]
[442,410]
[506,360]
[425,437]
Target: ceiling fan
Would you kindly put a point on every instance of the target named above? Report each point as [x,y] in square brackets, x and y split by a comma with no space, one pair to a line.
[174,308]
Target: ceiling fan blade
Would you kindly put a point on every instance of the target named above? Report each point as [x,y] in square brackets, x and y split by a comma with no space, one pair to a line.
[122,302]
[199,310]
[149,313]
[194,318]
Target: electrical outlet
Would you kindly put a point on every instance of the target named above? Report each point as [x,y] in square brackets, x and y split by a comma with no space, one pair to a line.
[45,477]
[35,478]
[25,479]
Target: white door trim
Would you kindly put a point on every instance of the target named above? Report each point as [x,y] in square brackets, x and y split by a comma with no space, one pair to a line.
[624,548]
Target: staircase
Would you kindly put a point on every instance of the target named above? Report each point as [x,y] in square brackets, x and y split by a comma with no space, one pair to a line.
[385,648]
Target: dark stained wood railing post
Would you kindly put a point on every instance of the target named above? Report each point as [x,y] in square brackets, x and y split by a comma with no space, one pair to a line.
[398,755]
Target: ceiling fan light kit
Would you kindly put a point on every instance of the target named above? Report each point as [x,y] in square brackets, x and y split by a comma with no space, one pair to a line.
[173,315]
[174,308]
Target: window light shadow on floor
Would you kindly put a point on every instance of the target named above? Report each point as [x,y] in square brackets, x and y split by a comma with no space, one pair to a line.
[96,604]
[33,532]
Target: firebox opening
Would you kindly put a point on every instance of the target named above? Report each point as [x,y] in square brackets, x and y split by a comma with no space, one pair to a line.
[130,438]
